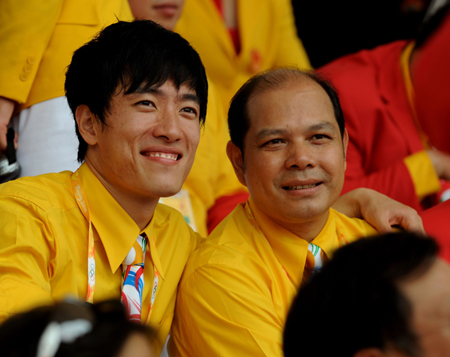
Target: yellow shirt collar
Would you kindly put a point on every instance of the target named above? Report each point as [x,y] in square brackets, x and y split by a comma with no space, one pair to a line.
[114,226]
[289,248]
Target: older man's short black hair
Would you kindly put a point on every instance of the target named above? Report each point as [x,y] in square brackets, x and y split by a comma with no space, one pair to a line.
[238,115]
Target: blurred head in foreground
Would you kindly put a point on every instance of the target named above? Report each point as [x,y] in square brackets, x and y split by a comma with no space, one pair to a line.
[379,296]
[75,329]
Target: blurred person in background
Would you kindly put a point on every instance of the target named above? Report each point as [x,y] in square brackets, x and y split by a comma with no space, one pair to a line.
[384,296]
[77,329]
[331,29]
[390,148]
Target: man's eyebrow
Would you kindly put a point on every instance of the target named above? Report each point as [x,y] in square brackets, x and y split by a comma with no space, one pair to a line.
[151,90]
[190,97]
[158,92]
[270,132]
[322,125]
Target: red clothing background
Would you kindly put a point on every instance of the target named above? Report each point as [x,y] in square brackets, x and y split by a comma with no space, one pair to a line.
[379,121]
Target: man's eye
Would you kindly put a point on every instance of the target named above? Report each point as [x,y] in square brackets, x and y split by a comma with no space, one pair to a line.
[189,110]
[320,137]
[274,142]
[146,103]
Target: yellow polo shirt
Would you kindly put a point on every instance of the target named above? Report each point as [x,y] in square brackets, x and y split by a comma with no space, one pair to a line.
[238,286]
[43,246]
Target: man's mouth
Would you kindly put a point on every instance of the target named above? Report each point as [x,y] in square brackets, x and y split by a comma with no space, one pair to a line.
[164,155]
[301,187]
[166,9]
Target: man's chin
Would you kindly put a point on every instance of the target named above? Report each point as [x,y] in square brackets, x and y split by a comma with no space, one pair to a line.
[308,213]
[169,191]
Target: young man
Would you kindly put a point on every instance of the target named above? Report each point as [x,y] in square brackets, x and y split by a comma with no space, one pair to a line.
[288,146]
[378,297]
[138,93]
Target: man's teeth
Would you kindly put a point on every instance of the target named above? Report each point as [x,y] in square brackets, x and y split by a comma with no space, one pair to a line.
[164,155]
[291,188]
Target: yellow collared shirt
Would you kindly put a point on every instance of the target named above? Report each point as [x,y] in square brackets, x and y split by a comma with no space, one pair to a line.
[238,286]
[43,246]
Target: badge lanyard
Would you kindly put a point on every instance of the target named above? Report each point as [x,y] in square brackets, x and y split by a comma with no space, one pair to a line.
[80,195]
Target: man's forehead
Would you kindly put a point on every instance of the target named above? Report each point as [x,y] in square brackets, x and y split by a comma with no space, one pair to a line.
[169,84]
[275,98]
[281,130]
[183,92]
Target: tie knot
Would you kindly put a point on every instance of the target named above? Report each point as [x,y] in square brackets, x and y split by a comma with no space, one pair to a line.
[137,252]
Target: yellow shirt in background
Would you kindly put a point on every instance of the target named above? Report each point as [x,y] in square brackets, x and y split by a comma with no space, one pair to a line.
[238,286]
[43,246]
[267,35]
[38,38]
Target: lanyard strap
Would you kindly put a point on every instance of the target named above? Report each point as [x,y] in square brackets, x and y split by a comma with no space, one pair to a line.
[155,280]
[80,197]
[79,194]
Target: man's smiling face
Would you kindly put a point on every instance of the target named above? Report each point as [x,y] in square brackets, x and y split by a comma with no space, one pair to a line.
[294,155]
[148,146]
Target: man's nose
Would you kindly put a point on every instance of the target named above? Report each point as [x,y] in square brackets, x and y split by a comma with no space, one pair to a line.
[300,156]
[168,126]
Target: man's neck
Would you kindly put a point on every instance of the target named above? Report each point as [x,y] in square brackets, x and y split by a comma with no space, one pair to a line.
[308,230]
[140,209]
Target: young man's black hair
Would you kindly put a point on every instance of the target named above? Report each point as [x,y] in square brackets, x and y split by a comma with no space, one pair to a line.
[238,116]
[131,57]
[355,302]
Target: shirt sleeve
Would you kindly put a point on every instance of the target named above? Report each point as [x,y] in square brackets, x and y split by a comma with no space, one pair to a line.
[423,175]
[25,31]
[393,180]
[225,310]
[25,257]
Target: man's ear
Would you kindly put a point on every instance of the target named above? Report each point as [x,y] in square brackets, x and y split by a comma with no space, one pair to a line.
[235,156]
[86,122]
[345,145]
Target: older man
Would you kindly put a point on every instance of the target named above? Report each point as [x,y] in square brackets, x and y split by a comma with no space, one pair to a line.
[288,145]
[380,297]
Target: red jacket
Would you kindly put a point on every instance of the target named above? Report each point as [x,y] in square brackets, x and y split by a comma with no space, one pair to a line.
[378,119]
